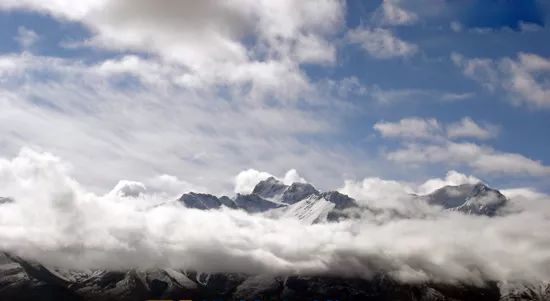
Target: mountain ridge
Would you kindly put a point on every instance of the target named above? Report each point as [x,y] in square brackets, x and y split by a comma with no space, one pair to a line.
[21,279]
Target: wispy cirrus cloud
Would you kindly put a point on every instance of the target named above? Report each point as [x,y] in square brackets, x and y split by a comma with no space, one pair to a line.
[390,13]
[381,43]
[432,129]
[410,128]
[133,116]
[26,37]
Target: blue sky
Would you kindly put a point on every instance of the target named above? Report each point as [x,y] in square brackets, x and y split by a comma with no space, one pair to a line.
[403,90]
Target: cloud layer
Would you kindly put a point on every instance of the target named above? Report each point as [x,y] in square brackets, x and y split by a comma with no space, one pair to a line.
[54,220]
[133,116]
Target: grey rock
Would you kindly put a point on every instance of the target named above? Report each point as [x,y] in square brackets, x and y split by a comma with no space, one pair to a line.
[477,199]
[297,192]
[205,201]
[254,203]
[269,188]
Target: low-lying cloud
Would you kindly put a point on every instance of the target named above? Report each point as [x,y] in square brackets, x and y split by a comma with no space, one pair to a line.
[55,221]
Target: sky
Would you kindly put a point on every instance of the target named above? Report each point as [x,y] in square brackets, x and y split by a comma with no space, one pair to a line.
[191,94]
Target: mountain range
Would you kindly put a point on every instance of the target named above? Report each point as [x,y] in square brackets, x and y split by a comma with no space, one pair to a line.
[22,279]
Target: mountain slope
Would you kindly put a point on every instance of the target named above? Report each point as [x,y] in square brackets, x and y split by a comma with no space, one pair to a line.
[477,199]
[24,280]
[254,203]
[20,280]
[205,201]
[318,208]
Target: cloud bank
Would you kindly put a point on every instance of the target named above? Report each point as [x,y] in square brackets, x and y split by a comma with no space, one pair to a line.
[56,221]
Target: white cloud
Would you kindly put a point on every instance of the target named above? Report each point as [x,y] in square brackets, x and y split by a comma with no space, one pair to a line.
[26,37]
[452,178]
[389,13]
[524,192]
[469,128]
[479,157]
[426,140]
[457,96]
[381,43]
[127,188]
[133,116]
[413,127]
[432,129]
[171,186]
[377,192]
[209,41]
[118,233]
[381,193]
[292,176]
[525,77]
[529,27]
[246,180]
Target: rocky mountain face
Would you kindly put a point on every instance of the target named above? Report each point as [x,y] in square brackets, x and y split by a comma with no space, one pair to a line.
[254,203]
[468,198]
[20,280]
[298,200]
[5,200]
[205,201]
[24,280]
[269,188]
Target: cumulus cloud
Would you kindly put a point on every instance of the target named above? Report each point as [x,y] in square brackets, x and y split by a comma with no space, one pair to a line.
[466,127]
[126,188]
[111,232]
[247,179]
[525,77]
[171,185]
[166,186]
[452,178]
[524,192]
[210,40]
[381,43]
[379,193]
[218,81]
[383,193]
[292,176]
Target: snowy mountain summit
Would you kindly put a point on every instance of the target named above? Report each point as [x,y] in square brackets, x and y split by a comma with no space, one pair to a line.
[271,196]
[308,204]
[477,199]
[24,280]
